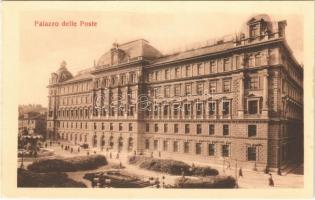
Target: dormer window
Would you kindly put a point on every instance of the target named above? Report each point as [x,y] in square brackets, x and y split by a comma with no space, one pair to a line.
[254,32]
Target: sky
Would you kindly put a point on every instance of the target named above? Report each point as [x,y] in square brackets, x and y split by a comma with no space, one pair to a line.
[42,49]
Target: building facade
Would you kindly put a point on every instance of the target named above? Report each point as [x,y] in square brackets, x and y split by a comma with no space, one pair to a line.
[236,99]
[32,123]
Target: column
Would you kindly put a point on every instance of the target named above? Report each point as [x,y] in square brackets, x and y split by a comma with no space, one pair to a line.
[265,94]
[241,96]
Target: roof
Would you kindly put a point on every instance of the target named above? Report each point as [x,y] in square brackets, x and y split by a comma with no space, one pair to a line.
[80,76]
[130,50]
[32,115]
[194,52]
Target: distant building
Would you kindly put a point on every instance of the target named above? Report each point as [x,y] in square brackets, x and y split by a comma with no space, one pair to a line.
[32,108]
[238,99]
[32,123]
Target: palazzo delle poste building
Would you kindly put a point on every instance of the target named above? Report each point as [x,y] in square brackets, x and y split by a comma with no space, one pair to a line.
[238,99]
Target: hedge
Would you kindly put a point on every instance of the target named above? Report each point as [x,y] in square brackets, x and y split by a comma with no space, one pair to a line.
[161,165]
[27,178]
[171,166]
[209,182]
[204,171]
[68,164]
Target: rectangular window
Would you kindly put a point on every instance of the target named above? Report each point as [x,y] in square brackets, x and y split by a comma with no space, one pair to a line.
[157,92]
[226,64]
[165,110]
[198,148]
[211,107]
[167,92]
[155,144]
[175,128]
[226,130]
[253,107]
[167,74]
[211,149]
[199,109]
[165,145]
[187,128]
[165,128]
[177,72]
[186,147]
[156,127]
[257,60]
[213,87]
[156,110]
[199,88]
[175,146]
[254,83]
[211,129]
[95,127]
[199,69]
[188,89]
[188,71]
[130,127]
[177,90]
[103,126]
[199,129]
[120,127]
[187,109]
[147,127]
[252,130]
[111,127]
[225,150]
[251,153]
[226,108]
[226,85]
[176,109]
[212,66]
[147,144]
[237,62]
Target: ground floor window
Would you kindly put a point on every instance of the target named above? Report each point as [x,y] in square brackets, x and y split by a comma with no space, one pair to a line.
[211,149]
[175,146]
[225,150]
[186,147]
[156,142]
[198,148]
[147,144]
[251,153]
[165,145]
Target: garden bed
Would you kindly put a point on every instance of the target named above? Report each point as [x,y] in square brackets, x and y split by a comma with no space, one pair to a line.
[27,178]
[209,182]
[171,166]
[116,179]
[68,164]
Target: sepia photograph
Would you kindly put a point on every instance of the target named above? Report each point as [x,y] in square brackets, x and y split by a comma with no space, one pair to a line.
[161,99]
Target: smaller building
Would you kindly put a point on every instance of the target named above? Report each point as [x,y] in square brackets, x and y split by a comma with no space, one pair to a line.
[32,123]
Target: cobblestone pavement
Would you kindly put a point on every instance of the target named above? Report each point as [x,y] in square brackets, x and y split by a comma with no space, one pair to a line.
[250,179]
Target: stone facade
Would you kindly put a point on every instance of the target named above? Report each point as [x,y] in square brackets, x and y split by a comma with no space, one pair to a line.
[238,99]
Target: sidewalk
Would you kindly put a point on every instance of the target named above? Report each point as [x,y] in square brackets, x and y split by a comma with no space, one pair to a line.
[250,179]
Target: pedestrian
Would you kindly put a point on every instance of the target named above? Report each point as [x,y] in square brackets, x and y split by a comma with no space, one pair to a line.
[135,153]
[87,153]
[50,143]
[78,149]
[71,150]
[271,182]
[93,183]
[46,145]
[240,172]
[61,146]
[94,152]
[183,173]
[120,165]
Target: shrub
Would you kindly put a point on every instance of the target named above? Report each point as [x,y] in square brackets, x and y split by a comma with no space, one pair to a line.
[209,182]
[161,165]
[30,179]
[68,164]
[204,171]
